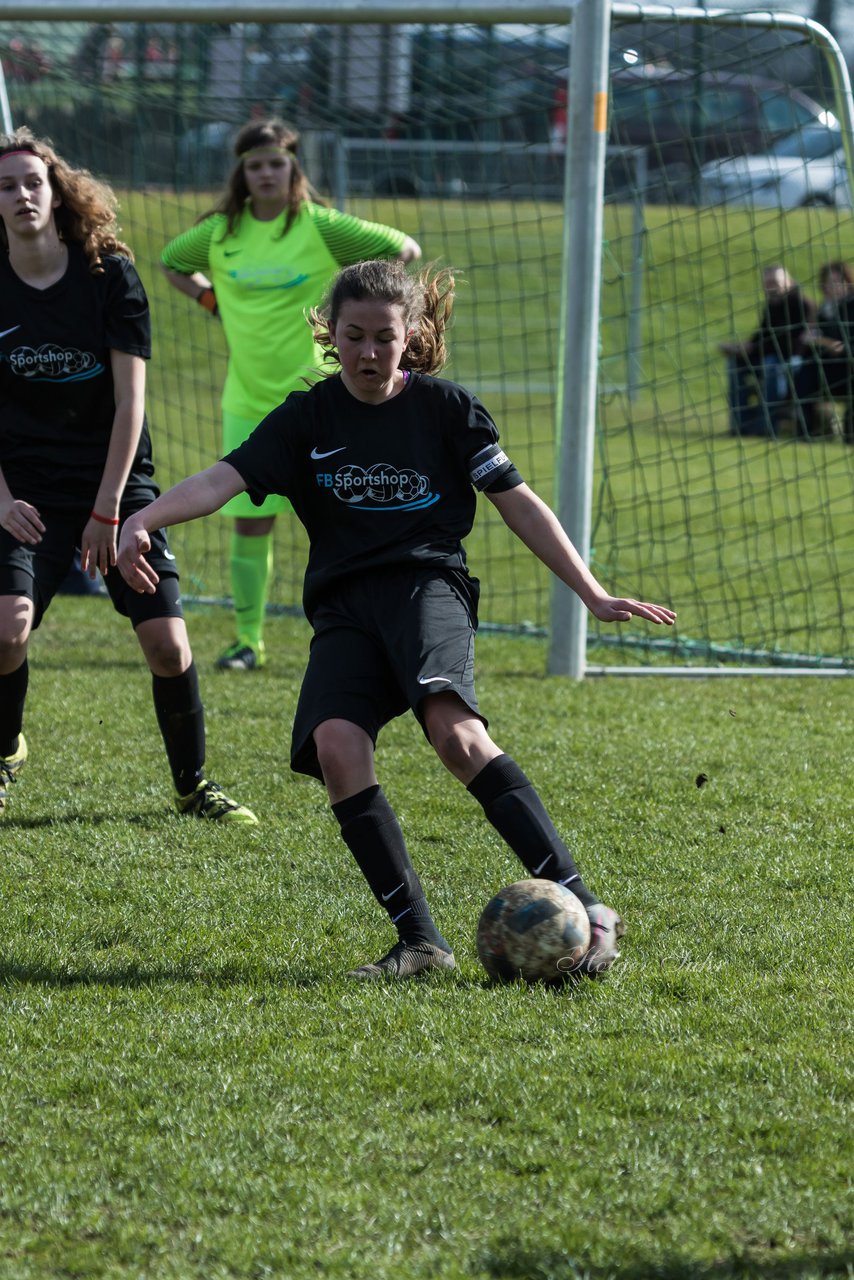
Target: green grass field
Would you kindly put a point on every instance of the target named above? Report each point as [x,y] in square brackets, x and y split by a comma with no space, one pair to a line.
[189,1090]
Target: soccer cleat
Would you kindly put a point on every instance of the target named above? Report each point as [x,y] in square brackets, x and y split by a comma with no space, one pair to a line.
[10,767]
[241,657]
[210,801]
[605,928]
[405,960]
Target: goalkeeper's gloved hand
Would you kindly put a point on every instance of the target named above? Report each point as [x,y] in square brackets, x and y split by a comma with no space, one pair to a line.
[207,298]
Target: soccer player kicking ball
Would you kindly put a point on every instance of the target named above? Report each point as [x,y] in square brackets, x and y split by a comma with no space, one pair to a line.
[75,455]
[381,461]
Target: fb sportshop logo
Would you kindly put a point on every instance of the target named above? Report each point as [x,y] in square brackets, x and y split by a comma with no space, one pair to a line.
[51,363]
[378,488]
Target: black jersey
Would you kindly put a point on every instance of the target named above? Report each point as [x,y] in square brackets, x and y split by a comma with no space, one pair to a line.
[784,326]
[377,484]
[57,401]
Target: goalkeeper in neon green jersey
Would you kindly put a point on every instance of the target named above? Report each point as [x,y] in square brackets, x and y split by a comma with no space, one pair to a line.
[260,260]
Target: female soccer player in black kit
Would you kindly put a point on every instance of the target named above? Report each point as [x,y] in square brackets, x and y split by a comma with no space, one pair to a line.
[381,462]
[75,455]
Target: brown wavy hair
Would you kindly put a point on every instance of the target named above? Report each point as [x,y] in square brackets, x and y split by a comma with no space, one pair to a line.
[88,208]
[262,133]
[426,302]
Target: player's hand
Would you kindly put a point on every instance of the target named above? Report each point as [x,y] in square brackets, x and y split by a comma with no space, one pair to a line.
[612,609]
[97,548]
[133,566]
[207,298]
[22,520]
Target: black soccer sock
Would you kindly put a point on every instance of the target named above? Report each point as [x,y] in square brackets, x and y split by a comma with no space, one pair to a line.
[181,718]
[371,831]
[13,695]
[516,811]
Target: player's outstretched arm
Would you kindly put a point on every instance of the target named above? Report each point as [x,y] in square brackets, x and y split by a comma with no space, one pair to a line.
[198,495]
[535,524]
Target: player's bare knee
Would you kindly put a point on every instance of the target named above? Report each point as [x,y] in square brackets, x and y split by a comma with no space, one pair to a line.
[453,745]
[13,650]
[15,622]
[167,657]
[165,645]
[342,748]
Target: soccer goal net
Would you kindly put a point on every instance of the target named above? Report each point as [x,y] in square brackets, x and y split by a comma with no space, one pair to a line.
[722,482]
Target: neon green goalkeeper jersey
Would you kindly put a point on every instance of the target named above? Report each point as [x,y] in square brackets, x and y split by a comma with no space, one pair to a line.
[265,283]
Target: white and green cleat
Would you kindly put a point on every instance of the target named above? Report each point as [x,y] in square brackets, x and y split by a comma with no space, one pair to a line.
[241,657]
[210,801]
[10,767]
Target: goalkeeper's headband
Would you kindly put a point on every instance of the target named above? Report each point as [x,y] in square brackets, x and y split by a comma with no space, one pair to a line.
[268,146]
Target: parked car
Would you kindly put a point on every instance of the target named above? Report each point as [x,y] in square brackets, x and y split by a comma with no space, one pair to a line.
[684,121]
[807,168]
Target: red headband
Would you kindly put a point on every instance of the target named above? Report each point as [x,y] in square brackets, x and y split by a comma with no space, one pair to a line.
[22,151]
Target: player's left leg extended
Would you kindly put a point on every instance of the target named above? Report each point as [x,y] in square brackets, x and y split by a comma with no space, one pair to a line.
[181,717]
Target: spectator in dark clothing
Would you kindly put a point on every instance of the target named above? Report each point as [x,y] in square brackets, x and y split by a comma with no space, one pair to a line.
[829,373]
[765,372]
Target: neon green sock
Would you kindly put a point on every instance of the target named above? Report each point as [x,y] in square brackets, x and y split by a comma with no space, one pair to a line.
[251,561]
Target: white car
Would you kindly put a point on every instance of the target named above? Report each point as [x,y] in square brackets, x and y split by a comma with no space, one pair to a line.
[806,168]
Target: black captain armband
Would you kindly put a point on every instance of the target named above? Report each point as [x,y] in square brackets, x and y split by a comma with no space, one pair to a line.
[490,468]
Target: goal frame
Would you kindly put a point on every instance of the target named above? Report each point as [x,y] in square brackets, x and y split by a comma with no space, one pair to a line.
[583,198]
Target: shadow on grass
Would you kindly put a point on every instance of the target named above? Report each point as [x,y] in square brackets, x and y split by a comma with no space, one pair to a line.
[162,815]
[526,1264]
[252,977]
[95,662]
[79,819]
[134,976]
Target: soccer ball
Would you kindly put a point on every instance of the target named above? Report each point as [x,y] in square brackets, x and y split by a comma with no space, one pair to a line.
[535,930]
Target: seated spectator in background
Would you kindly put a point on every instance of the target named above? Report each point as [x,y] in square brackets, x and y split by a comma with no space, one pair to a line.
[829,373]
[765,371]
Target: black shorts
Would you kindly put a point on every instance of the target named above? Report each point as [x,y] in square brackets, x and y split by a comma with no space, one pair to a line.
[386,641]
[38,572]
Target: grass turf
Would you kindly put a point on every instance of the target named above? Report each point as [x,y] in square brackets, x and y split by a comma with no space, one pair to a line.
[189,1088]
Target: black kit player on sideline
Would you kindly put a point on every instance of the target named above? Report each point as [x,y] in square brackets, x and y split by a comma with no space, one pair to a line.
[381,462]
[75,455]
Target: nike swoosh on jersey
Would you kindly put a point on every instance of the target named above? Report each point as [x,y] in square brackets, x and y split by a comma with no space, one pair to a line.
[317,455]
[12,330]
[229,253]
